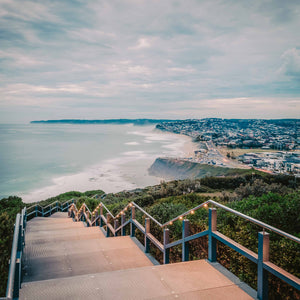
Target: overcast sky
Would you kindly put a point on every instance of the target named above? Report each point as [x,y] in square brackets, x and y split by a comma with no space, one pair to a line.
[95,59]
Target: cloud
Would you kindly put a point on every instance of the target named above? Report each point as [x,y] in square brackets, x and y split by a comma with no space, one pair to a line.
[264,108]
[291,63]
[156,57]
[27,11]
[141,44]
[20,60]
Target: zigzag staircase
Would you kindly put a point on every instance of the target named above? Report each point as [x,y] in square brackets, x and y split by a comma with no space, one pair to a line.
[101,258]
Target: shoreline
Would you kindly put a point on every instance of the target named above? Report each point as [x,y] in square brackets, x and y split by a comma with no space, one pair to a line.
[125,172]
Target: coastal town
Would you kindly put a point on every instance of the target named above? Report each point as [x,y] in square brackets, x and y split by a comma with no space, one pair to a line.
[269,145]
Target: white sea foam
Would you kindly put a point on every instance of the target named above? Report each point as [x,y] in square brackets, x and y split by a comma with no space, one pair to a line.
[137,154]
[126,171]
[132,143]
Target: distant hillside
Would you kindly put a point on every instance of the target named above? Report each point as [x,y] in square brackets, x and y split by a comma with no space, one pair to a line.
[108,121]
[179,169]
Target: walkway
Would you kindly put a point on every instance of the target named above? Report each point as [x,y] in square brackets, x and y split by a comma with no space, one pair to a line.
[65,260]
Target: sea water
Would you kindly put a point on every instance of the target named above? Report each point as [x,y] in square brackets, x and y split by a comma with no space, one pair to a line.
[38,161]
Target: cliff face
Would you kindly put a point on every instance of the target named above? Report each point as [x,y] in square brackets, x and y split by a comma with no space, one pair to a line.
[171,169]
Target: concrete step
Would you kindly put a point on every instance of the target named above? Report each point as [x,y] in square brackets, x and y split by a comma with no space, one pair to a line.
[65,260]
[56,252]
[188,280]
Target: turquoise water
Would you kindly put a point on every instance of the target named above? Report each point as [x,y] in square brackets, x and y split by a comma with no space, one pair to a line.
[41,160]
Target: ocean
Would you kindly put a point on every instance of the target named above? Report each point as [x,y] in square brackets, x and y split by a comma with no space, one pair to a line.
[38,161]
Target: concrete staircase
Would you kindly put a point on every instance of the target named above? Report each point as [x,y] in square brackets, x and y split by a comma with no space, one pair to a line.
[65,260]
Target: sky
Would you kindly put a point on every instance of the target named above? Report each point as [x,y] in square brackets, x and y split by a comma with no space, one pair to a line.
[93,59]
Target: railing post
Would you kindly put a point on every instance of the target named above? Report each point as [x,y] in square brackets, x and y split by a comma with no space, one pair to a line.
[263,256]
[185,245]
[107,228]
[101,214]
[132,226]
[36,211]
[87,218]
[96,217]
[23,227]
[166,242]
[18,275]
[25,218]
[20,236]
[122,223]
[116,225]
[147,230]
[22,241]
[212,242]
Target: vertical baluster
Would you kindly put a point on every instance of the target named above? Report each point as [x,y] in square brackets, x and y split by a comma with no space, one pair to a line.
[263,256]
[147,230]
[122,223]
[83,214]
[96,217]
[101,214]
[107,228]
[116,225]
[87,218]
[25,218]
[185,245]
[132,226]
[166,241]
[212,242]
[18,275]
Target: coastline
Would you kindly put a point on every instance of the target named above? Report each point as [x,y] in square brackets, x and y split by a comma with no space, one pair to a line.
[125,172]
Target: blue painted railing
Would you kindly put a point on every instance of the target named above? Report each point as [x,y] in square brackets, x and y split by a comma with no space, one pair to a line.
[15,264]
[110,226]
[40,211]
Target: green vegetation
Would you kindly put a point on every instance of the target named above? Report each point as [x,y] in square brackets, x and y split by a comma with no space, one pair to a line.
[67,196]
[272,199]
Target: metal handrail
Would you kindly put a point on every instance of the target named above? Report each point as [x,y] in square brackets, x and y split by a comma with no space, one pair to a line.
[34,206]
[148,215]
[13,258]
[50,206]
[257,222]
[252,220]
[55,202]
[86,208]
[205,204]
[108,211]
[185,214]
